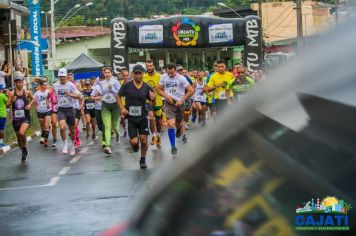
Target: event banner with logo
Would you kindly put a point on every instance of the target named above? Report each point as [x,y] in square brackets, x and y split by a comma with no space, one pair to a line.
[187,32]
[35,31]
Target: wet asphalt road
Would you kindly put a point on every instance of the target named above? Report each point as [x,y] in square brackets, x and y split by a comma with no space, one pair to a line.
[57,195]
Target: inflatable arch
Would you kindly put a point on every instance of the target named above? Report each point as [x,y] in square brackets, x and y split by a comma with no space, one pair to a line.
[186,32]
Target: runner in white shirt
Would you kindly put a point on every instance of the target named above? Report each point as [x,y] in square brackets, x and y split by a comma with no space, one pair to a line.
[66,93]
[107,91]
[176,90]
[199,99]
[43,108]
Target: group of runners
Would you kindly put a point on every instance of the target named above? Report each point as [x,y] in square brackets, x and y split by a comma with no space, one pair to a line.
[137,101]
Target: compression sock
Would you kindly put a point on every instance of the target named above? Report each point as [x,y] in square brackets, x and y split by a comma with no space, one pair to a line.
[172,137]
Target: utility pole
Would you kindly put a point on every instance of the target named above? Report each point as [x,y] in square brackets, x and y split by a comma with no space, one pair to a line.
[53,37]
[336,12]
[260,8]
[11,55]
[299,24]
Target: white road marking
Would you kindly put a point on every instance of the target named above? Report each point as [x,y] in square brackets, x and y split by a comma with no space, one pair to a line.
[64,170]
[74,160]
[53,181]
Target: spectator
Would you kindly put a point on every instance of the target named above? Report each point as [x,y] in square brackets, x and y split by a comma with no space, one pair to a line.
[3,100]
[3,75]
[7,69]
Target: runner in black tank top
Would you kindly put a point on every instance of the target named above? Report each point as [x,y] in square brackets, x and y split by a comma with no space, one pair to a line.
[21,101]
[89,109]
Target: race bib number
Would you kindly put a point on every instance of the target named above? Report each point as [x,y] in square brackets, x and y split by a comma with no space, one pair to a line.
[200,98]
[63,101]
[222,96]
[43,104]
[172,91]
[135,111]
[109,98]
[90,106]
[19,113]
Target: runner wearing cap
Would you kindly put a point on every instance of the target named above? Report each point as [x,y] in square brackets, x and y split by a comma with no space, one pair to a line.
[66,93]
[176,90]
[41,98]
[136,93]
[21,101]
[107,91]
[88,105]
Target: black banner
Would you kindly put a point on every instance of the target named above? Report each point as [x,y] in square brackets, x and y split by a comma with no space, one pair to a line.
[119,47]
[187,32]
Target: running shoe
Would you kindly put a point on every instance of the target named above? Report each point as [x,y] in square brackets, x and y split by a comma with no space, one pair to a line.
[107,151]
[42,141]
[25,154]
[154,140]
[88,137]
[78,142]
[71,149]
[117,139]
[93,137]
[65,147]
[143,164]
[54,144]
[3,145]
[194,118]
[46,143]
[158,143]
[174,151]
[184,139]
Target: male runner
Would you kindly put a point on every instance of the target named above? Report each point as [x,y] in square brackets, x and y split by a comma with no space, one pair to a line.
[21,101]
[176,90]
[136,93]
[154,108]
[66,94]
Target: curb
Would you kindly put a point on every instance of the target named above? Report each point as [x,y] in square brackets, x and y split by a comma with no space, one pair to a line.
[13,145]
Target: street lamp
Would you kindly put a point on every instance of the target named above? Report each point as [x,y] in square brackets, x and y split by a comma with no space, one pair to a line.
[64,18]
[80,8]
[101,22]
[224,5]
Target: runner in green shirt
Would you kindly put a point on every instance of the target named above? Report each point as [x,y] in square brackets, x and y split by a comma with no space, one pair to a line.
[241,84]
[3,100]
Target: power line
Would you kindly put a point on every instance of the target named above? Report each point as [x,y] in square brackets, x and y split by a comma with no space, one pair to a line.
[276,18]
[273,28]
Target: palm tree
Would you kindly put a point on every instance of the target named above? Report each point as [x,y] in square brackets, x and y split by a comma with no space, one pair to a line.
[347,207]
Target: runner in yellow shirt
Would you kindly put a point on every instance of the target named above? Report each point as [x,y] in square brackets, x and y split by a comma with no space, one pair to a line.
[217,83]
[154,108]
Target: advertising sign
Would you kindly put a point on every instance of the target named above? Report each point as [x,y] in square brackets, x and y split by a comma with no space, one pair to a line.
[186,32]
[220,33]
[35,31]
[151,34]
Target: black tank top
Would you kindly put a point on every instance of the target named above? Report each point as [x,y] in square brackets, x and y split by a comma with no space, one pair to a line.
[19,112]
[88,102]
